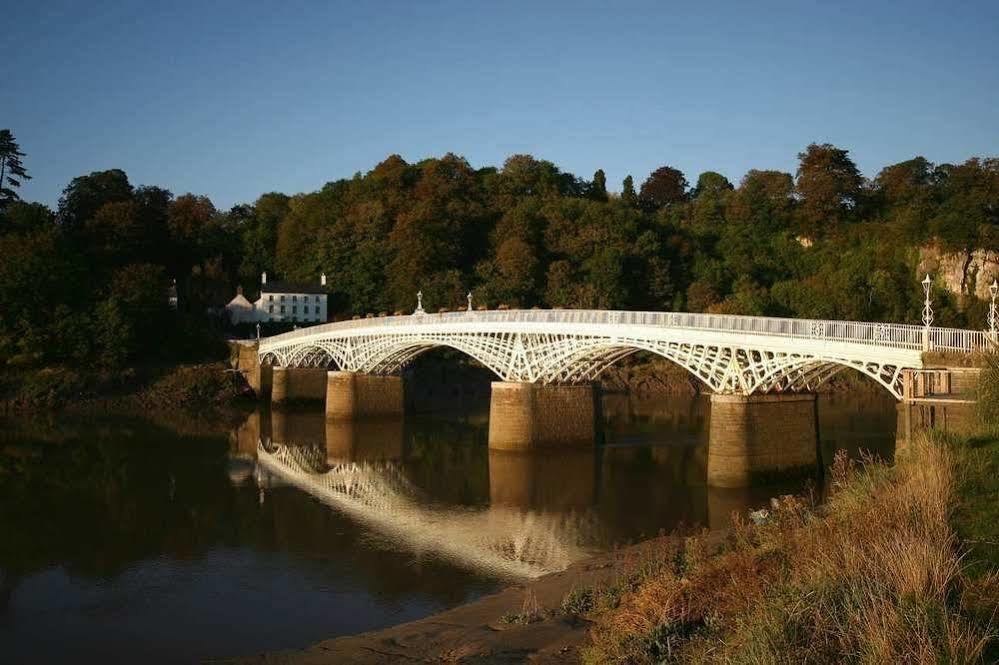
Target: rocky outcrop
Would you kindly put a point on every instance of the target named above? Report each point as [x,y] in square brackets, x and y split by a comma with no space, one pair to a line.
[961,273]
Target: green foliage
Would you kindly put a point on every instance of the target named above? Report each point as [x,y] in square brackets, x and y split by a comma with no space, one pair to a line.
[12,171]
[823,244]
[988,392]
[579,601]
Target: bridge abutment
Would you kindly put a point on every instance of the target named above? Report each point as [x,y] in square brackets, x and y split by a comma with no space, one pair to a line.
[751,437]
[351,395]
[527,416]
[298,384]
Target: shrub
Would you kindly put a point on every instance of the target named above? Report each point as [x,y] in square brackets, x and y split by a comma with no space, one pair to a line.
[874,575]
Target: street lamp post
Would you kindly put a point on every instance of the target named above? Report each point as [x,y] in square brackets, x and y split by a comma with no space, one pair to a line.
[469,298]
[419,303]
[927,312]
[993,291]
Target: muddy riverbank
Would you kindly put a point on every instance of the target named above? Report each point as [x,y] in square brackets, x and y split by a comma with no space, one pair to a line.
[530,621]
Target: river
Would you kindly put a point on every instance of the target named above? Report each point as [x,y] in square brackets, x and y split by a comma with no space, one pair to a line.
[132,540]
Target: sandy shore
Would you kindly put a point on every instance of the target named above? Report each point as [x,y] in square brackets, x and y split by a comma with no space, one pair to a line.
[474,632]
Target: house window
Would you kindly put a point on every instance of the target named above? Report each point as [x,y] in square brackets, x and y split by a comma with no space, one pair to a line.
[282,298]
[271,297]
[294,309]
[305,310]
[282,309]
[270,308]
[317,298]
[294,298]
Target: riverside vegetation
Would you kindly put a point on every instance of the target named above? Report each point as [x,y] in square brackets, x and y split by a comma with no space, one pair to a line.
[899,563]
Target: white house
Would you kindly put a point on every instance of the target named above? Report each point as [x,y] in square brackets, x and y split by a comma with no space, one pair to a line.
[281,301]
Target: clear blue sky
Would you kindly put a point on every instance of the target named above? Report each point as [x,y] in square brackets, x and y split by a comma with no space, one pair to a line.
[232,99]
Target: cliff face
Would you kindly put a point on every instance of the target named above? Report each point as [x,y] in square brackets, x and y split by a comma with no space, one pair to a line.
[961,273]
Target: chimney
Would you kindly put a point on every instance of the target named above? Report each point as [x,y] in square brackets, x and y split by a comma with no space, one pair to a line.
[263,277]
[322,279]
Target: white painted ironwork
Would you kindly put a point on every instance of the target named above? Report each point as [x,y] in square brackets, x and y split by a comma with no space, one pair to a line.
[927,303]
[729,354]
[993,317]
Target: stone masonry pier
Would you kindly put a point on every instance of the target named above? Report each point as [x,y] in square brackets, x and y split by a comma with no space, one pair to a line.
[527,416]
[297,384]
[351,395]
[752,437]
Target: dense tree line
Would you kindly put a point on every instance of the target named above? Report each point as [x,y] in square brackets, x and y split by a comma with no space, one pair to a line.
[87,281]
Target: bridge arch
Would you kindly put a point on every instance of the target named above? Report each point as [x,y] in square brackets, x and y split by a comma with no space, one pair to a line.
[728,354]
[574,359]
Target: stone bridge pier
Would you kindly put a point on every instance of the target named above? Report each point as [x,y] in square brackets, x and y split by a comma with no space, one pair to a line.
[297,384]
[356,396]
[529,416]
[752,438]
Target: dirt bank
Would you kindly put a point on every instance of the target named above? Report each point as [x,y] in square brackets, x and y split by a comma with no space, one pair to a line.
[198,387]
[531,621]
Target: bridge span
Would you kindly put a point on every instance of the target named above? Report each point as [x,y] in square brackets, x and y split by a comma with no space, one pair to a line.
[735,355]
[762,373]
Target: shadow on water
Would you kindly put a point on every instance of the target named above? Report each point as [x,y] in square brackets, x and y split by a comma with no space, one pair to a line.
[126,540]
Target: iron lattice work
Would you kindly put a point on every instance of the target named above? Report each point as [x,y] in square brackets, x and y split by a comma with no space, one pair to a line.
[729,354]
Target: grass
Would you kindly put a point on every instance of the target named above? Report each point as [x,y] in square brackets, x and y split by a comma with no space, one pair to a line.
[531,611]
[896,566]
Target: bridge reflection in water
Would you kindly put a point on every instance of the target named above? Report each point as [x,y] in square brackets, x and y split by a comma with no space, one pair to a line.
[434,488]
[496,540]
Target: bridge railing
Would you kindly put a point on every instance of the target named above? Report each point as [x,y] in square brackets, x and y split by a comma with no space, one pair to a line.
[890,335]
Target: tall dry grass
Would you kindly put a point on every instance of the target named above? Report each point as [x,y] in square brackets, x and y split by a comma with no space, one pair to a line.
[872,576]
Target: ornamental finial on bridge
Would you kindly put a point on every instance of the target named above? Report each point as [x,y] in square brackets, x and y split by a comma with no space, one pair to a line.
[419,302]
[469,298]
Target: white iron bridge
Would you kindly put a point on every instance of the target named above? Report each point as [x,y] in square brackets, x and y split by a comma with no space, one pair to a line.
[729,354]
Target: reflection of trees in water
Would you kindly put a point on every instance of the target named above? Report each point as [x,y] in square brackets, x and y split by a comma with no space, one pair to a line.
[497,540]
[106,495]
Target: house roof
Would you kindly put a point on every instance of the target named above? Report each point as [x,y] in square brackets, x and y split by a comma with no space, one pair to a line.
[291,287]
[240,301]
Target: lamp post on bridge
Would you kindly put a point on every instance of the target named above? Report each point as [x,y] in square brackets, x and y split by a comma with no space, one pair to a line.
[469,298]
[927,312]
[419,302]
[993,317]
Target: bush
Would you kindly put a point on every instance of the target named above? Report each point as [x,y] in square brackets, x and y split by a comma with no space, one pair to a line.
[874,575]
[988,392]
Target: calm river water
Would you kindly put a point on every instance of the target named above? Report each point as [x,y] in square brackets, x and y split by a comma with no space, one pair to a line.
[132,541]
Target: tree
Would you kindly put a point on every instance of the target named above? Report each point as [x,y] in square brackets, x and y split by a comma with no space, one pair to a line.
[663,187]
[711,183]
[628,191]
[900,183]
[20,217]
[829,185]
[765,199]
[598,188]
[709,199]
[85,195]
[12,171]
